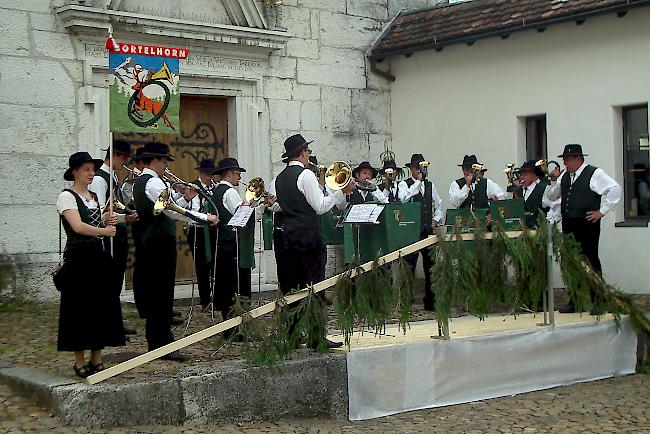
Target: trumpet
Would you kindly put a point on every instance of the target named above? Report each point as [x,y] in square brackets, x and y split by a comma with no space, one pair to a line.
[173,179]
[255,190]
[543,165]
[476,172]
[511,174]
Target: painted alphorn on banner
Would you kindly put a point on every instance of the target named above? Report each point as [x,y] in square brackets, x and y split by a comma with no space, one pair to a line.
[270,307]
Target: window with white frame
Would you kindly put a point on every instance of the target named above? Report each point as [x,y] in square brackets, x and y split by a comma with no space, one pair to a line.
[636,162]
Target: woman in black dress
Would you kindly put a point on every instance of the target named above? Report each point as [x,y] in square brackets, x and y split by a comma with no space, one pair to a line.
[90,317]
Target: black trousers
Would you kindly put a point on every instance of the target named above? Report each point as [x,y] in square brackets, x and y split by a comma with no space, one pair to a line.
[226,286]
[156,269]
[139,278]
[305,263]
[588,236]
[204,268]
[280,250]
[120,255]
[412,260]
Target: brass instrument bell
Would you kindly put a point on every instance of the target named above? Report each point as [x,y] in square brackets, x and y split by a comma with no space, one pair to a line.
[255,190]
[338,175]
[165,201]
[510,173]
[424,167]
[544,166]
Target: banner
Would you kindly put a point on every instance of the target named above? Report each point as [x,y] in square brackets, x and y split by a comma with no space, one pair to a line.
[144,85]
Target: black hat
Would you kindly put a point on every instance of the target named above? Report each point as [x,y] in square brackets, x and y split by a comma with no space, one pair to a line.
[229,163]
[469,160]
[364,165]
[121,147]
[529,166]
[156,150]
[415,159]
[76,160]
[294,145]
[388,164]
[138,154]
[207,166]
[313,160]
[572,150]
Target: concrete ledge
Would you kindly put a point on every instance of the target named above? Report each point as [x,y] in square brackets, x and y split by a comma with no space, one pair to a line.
[35,385]
[310,385]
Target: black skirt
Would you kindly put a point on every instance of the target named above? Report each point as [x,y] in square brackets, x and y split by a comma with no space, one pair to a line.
[90,315]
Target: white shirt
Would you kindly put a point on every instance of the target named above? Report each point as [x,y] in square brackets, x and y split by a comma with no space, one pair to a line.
[99,187]
[155,186]
[195,203]
[68,201]
[405,193]
[377,195]
[528,190]
[308,185]
[394,188]
[458,195]
[600,183]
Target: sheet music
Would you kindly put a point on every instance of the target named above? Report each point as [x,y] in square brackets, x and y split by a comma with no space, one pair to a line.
[241,216]
[364,213]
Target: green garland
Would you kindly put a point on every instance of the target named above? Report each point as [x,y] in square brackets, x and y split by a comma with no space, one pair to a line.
[371,299]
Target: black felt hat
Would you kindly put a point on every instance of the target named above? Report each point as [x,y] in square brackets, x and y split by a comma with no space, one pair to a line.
[76,160]
[415,159]
[388,164]
[138,154]
[121,147]
[468,161]
[229,163]
[572,150]
[156,150]
[207,166]
[294,145]
[364,165]
[529,166]
[313,160]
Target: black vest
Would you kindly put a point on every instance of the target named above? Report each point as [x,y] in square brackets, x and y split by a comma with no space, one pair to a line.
[427,205]
[150,225]
[299,217]
[74,239]
[479,198]
[226,233]
[577,198]
[392,197]
[534,203]
[356,197]
[204,205]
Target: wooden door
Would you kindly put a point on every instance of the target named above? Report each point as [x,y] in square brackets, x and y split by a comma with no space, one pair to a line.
[203,134]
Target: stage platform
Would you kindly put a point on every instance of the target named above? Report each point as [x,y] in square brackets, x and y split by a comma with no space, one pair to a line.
[393,373]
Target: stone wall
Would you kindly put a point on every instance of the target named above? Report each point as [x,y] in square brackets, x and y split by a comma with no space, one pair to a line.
[320,85]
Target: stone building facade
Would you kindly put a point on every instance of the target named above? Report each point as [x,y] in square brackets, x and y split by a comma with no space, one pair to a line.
[298,67]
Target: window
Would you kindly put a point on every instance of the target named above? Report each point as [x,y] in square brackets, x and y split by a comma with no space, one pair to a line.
[636,160]
[535,137]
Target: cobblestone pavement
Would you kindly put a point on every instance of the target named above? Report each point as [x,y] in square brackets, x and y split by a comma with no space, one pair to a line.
[618,405]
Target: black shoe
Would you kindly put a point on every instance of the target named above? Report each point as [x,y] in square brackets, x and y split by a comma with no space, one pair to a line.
[177,313]
[175,356]
[332,344]
[130,331]
[569,308]
[177,321]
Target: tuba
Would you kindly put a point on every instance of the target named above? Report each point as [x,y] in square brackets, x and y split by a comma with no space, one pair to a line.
[255,190]
[339,174]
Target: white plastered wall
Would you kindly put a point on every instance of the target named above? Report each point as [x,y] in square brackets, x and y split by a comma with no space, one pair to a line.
[469,100]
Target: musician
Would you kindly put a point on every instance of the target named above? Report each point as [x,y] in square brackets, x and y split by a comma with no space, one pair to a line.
[156,255]
[136,170]
[227,199]
[100,186]
[205,237]
[468,192]
[389,187]
[533,186]
[302,201]
[587,194]
[365,173]
[417,188]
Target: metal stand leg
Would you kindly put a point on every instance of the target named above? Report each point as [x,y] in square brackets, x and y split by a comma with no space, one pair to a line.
[549,274]
[189,315]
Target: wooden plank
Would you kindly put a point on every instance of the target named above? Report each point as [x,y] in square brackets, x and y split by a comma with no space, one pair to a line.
[263,310]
